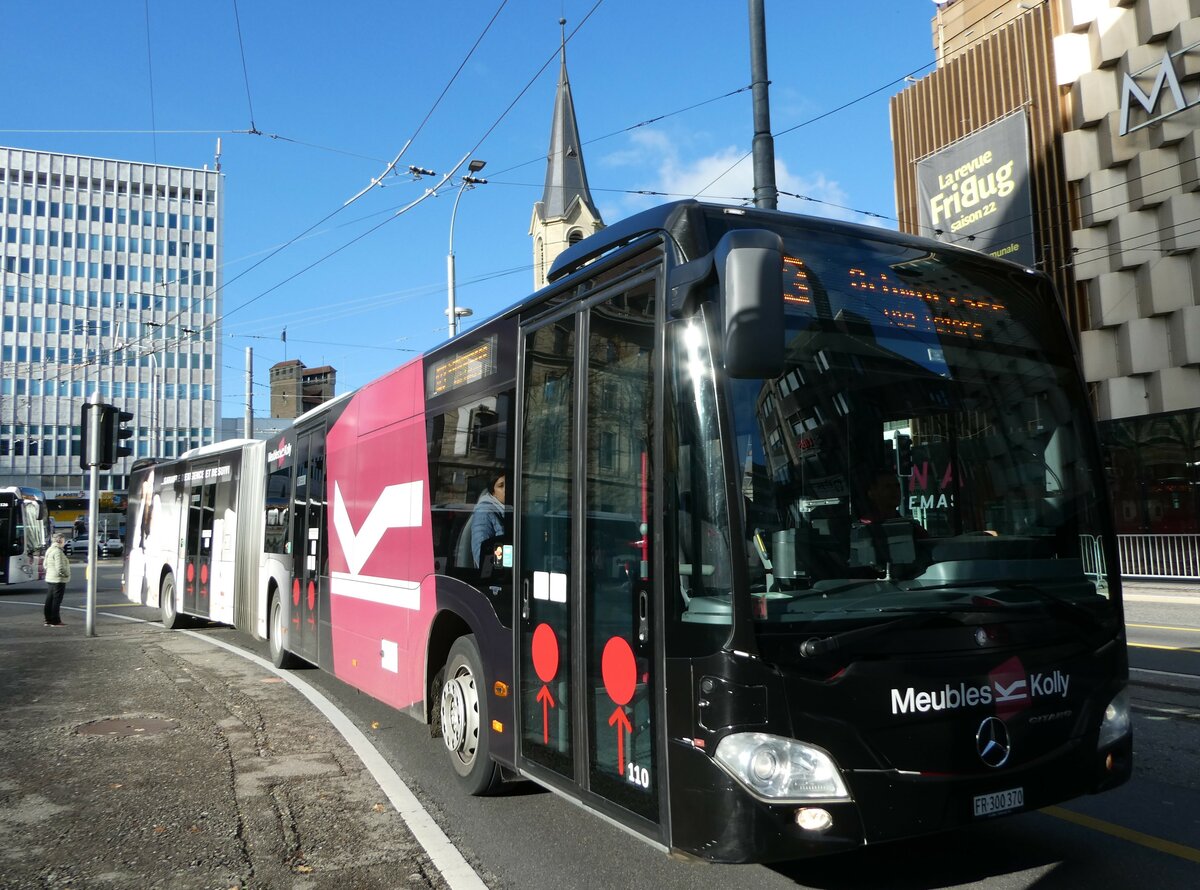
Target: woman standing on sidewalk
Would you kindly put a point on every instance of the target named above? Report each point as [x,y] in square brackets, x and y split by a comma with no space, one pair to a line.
[58,573]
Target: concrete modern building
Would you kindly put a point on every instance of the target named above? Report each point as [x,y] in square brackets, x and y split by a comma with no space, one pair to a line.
[111,285]
[1108,93]
[296,388]
[566,214]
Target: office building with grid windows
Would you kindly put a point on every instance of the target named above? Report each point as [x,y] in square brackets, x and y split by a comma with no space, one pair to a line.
[110,280]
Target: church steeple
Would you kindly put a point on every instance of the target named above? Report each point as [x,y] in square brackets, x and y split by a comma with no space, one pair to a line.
[566,213]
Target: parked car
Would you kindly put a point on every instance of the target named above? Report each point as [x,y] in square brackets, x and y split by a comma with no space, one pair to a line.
[110,546]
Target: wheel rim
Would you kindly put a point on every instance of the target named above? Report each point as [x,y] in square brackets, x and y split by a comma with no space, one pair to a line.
[168,598]
[460,715]
[276,628]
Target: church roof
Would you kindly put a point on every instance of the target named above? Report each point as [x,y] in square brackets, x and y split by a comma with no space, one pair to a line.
[566,178]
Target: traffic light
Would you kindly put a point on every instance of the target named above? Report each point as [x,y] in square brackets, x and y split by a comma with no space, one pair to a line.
[86,445]
[112,432]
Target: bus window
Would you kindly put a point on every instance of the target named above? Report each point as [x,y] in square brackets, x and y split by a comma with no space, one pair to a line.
[469,453]
[700,608]
[278,525]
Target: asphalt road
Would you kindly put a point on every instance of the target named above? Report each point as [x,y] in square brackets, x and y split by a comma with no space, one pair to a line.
[1147,833]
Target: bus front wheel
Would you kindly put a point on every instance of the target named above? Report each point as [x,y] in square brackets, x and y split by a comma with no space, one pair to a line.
[464,720]
[280,656]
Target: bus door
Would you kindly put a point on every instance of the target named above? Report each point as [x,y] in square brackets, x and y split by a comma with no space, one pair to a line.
[586,671]
[198,544]
[308,546]
[8,537]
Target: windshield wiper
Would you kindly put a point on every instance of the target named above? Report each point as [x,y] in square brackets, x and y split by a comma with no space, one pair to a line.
[824,645]
[1054,603]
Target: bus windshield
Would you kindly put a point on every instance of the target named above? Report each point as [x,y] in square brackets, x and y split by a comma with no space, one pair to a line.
[927,448]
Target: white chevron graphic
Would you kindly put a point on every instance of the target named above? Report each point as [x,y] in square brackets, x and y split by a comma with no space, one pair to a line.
[398,506]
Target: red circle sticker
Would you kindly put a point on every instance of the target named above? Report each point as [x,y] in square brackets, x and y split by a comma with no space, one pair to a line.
[312,595]
[191,572]
[204,574]
[296,592]
[619,670]
[545,652]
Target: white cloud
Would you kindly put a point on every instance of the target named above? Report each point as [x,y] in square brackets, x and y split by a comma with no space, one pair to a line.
[655,161]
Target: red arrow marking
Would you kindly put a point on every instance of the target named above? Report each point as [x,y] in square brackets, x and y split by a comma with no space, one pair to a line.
[547,701]
[623,726]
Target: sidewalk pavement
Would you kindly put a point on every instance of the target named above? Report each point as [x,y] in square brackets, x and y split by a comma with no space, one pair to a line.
[144,758]
[1156,588]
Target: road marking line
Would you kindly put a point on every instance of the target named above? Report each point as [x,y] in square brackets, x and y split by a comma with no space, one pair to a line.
[1163,648]
[1192,630]
[445,856]
[1164,673]
[1191,854]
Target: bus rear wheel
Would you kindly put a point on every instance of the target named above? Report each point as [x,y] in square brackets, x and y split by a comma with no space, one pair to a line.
[171,619]
[463,719]
[280,656]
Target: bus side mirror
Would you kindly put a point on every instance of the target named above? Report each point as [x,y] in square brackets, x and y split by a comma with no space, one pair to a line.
[750,270]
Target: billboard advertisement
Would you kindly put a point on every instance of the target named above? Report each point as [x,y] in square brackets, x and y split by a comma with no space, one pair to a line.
[976,192]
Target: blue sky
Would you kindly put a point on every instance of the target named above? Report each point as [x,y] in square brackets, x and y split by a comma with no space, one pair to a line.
[337,89]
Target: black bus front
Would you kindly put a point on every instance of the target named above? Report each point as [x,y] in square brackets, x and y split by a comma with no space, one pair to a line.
[896,604]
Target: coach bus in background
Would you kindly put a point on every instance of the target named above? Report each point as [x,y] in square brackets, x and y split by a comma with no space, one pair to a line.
[24,534]
[763,536]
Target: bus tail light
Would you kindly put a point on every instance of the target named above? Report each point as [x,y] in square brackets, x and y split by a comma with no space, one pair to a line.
[780,770]
[1116,723]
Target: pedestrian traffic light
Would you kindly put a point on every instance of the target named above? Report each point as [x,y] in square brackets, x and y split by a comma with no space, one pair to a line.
[112,432]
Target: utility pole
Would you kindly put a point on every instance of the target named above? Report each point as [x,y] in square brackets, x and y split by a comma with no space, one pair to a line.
[248,426]
[766,196]
[93,455]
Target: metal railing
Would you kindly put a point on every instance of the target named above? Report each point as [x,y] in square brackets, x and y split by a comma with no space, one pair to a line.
[1092,555]
[1159,556]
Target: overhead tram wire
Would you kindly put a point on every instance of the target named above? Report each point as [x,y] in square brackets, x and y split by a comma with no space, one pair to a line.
[368,304]
[400,212]
[813,120]
[628,129]
[245,73]
[150,69]
[26,131]
[331,214]
[852,102]
[138,341]
[390,169]
[329,343]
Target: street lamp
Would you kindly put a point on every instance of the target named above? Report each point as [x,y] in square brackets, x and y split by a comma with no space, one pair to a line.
[453,314]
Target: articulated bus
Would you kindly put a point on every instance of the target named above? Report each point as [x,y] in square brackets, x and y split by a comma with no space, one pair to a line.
[759,535]
[24,534]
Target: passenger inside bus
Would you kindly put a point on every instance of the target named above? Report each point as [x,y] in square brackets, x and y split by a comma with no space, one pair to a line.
[487,519]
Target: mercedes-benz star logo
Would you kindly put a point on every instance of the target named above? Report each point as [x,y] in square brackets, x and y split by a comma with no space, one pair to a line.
[992,742]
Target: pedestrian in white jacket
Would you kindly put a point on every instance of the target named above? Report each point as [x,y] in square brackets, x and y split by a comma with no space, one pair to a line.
[58,573]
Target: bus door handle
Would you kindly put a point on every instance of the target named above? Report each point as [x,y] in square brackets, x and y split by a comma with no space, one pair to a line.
[643,606]
[525,598]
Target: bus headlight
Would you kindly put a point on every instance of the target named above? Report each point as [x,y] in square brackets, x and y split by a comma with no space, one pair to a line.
[780,770]
[1116,722]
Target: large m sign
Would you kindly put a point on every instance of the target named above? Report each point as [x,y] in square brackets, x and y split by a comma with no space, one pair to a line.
[1167,77]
